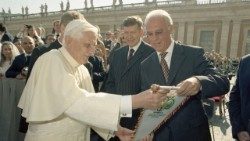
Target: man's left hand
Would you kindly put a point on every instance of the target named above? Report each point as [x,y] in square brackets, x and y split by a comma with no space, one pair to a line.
[189,87]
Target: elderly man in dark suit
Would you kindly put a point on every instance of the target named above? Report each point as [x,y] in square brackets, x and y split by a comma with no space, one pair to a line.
[124,73]
[18,68]
[177,64]
[4,34]
[239,102]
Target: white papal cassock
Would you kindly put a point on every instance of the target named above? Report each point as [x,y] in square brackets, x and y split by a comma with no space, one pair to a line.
[59,103]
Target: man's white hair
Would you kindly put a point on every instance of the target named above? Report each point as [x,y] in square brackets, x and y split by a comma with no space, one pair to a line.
[159,13]
[76,28]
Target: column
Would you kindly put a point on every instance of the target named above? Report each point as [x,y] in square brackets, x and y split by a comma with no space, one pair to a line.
[181,31]
[224,37]
[235,38]
[190,33]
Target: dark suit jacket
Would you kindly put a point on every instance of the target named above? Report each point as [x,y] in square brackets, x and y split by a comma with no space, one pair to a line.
[18,64]
[124,77]
[98,72]
[7,37]
[112,52]
[190,122]
[239,100]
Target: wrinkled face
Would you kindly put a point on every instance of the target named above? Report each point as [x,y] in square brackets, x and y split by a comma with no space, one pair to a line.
[7,51]
[158,33]
[28,44]
[132,34]
[84,46]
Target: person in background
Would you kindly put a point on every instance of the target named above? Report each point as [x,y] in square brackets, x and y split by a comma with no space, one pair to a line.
[239,102]
[98,71]
[8,53]
[107,41]
[56,28]
[41,32]
[19,67]
[4,34]
[18,43]
[50,38]
[175,64]
[31,31]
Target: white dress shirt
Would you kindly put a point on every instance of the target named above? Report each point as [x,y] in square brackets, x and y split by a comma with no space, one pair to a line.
[169,54]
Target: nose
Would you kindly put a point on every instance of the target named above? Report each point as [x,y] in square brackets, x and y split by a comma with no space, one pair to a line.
[153,38]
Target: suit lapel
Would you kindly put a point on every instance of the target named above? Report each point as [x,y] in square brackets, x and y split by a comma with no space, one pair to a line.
[153,71]
[123,57]
[176,61]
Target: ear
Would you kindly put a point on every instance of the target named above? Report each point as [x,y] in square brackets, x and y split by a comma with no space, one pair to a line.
[67,40]
[142,32]
[171,28]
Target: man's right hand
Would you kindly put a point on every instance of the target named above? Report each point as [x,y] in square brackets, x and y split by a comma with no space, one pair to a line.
[243,136]
[148,100]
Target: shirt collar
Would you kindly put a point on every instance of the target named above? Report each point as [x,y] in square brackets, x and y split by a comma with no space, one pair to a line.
[136,46]
[68,57]
[170,48]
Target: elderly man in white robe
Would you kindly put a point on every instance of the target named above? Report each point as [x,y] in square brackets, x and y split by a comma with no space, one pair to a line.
[59,101]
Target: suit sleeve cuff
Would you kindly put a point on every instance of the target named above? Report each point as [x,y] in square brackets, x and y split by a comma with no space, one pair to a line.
[126,106]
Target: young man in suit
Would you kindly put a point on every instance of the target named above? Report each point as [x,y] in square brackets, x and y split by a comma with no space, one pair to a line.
[185,66]
[18,68]
[239,102]
[124,73]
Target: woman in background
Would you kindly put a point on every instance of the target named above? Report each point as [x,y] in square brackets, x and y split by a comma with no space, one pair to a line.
[8,53]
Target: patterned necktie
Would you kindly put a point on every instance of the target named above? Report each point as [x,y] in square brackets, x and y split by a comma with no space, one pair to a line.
[131,53]
[164,65]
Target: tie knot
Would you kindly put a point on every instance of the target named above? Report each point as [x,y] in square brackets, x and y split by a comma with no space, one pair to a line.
[163,55]
[131,51]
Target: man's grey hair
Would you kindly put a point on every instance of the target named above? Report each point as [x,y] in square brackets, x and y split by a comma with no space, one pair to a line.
[69,16]
[159,13]
[76,28]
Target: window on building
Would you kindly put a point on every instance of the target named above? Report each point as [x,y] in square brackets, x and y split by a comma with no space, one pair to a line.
[207,40]
[248,34]
[247,48]
[247,51]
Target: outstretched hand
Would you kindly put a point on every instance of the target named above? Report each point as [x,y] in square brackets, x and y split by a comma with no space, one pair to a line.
[124,134]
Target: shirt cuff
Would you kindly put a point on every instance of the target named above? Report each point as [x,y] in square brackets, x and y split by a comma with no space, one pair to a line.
[126,106]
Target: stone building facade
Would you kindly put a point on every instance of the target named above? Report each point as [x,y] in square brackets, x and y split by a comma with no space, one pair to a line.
[223,26]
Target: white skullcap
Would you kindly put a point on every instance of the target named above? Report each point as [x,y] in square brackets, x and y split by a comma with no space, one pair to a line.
[76,27]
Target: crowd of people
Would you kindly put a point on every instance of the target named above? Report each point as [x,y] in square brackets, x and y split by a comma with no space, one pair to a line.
[226,65]
[67,67]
